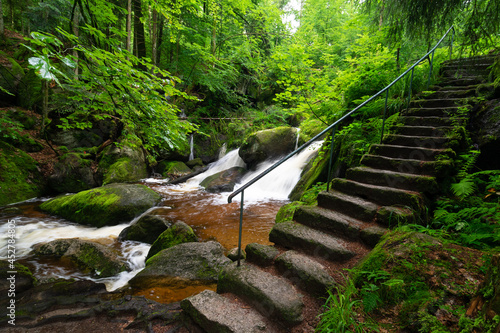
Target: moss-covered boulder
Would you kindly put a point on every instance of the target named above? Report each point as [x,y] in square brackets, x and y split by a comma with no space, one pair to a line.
[123,163]
[186,264]
[223,181]
[426,284]
[146,229]
[286,211]
[20,177]
[315,171]
[102,206]
[177,234]
[173,169]
[72,173]
[23,280]
[485,132]
[268,144]
[93,258]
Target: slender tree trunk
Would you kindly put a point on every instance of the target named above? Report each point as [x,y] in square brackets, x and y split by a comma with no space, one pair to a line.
[2,26]
[45,103]
[160,40]
[139,30]
[76,16]
[129,26]
[154,37]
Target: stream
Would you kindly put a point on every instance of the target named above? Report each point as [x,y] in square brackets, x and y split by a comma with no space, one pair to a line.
[210,216]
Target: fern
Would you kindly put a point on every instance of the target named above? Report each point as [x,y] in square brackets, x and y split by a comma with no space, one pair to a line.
[464,188]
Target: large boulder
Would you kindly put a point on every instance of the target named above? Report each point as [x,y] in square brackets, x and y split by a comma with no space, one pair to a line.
[146,229]
[183,264]
[123,163]
[20,177]
[485,132]
[102,206]
[223,181]
[268,144]
[177,234]
[93,258]
[72,173]
[172,169]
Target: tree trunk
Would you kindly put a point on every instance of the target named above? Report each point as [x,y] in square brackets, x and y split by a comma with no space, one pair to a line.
[76,16]
[154,37]
[2,26]
[140,41]
[129,26]
[160,40]
[45,103]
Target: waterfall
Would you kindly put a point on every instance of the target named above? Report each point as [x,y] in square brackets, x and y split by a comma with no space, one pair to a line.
[222,151]
[297,140]
[191,145]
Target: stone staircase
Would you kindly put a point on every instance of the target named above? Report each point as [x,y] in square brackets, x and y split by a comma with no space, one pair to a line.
[281,288]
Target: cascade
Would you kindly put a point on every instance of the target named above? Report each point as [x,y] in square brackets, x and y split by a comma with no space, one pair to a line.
[222,151]
[191,148]
[297,140]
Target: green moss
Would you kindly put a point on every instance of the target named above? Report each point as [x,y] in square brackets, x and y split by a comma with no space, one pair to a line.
[286,212]
[125,170]
[177,234]
[105,205]
[175,168]
[20,178]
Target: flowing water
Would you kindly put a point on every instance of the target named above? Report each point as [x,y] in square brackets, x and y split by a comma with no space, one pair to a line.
[210,216]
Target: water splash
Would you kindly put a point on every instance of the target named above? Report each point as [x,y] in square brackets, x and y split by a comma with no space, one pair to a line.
[191,147]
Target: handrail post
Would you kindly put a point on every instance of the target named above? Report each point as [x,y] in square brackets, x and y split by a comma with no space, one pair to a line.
[329,177]
[409,90]
[241,228]
[385,112]
[430,69]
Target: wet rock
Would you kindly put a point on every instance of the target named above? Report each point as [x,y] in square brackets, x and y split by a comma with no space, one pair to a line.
[173,169]
[196,162]
[179,233]
[188,263]
[72,173]
[146,229]
[223,181]
[106,205]
[268,144]
[94,258]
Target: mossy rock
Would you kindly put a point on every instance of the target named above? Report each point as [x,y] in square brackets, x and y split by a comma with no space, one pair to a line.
[72,173]
[173,168]
[20,177]
[146,229]
[24,279]
[268,144]
[177,234]
[195,162]
[93,258]
[102,206]
[314,171]
[123,163]
[286,211]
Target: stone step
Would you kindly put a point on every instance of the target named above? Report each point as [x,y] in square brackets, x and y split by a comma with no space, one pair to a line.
[458,72]
[429,102]
[454,92]
[431,142]
[415,166]
[474,62]
[308,274]
[404,181]
[274,297]
[314,242]
[328,220]
[431,121]
[363,209]
[382,195]
[463,81]
[412,153]
[423,130]
[215,313]
[432,111]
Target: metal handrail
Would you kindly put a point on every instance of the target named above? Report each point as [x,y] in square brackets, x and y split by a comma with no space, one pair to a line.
[333,126]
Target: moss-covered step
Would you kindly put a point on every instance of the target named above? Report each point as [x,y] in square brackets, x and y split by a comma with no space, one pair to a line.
[20,177]
[429,102]
[432,142]
[432,168]
[328,220]
[317,243]
[404,181]
[309,274]
[216,313]
[108,205]
[353,206]
[417,153]
[431,131]
[262,255]
[431,121]
[273,296]
[383,195]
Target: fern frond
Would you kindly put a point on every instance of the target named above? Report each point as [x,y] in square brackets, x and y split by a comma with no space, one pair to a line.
[464,188]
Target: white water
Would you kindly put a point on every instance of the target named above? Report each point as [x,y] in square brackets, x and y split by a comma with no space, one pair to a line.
[31,228]
[191,148]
